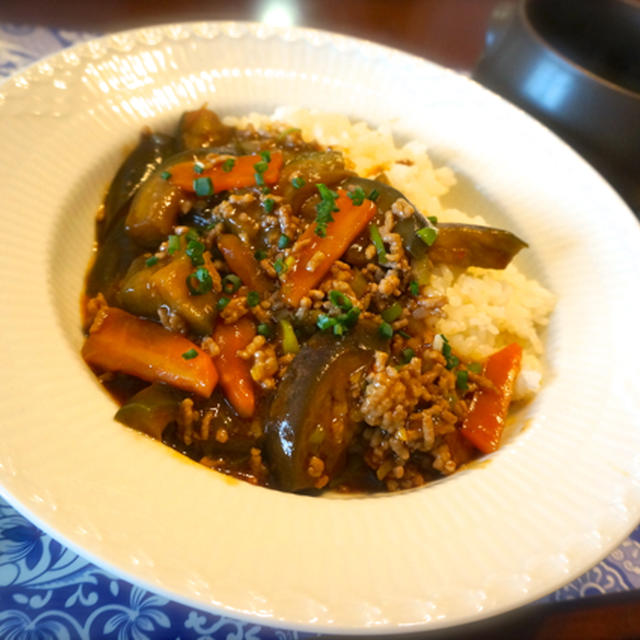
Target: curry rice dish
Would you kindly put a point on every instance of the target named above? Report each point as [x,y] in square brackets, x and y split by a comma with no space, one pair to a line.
[292,305]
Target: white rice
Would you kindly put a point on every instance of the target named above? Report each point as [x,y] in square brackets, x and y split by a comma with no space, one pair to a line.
[487,309]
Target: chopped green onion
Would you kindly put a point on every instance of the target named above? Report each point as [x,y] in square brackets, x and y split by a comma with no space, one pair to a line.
[264,330]
[192,234]
[266,156]
[190,355]
[279,266]
[357,196]
[261,166]
[231,283]
[349,318]
[325,322]
[260,254]
[462,380]
[298,182]
[376,239]
[203,282]
[475,367]
[373,196]
[149,262]
[428,235]
[198,168]
[386,330]
[414,288]
[173,244]
[269,204]
[283,241]
[265,190]
[203,186]
[340,300]
[228,165]
[165,175]
[253,298]
[404,334]
[433,219]
[451,360]
[340,323]
[222,303]
[392,313]
[407,355]
[325,208]
[195,250]
[289,340]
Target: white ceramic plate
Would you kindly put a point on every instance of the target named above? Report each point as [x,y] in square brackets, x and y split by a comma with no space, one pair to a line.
[553,501]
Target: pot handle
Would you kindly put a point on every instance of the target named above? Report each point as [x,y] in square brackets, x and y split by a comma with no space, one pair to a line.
[499,22]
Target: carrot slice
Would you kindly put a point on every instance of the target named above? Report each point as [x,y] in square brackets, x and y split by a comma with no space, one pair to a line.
[484,423]
[235,374]
[119,341]
[317,254]
[243,172]
[242,262]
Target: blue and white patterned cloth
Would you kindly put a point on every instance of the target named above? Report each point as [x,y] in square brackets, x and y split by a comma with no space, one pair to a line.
[47,592]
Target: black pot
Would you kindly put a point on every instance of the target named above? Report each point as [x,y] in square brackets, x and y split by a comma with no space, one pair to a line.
[575,66]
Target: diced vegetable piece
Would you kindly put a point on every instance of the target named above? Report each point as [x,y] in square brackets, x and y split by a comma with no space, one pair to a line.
[290,342]
[310,414]
[463,245]
[167,284]
[406,228]
[242,262]
[235,373]
[242,174]
[377,242]
[202,128]
[300,175]
[484,423]
[461,450]
[112,261]
[154,210]
[170,284]
[151,150]
[136,295]
[315,258]
[151,409]
[119,341]
[467,245]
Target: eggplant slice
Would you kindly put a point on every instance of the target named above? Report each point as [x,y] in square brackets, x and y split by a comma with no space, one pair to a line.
[310,425]
[462,245]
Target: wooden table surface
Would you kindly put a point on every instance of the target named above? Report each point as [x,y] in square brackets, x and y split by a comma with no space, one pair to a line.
[450,32]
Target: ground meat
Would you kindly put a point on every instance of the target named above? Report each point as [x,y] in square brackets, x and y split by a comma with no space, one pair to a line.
[235,309]
[251,348]
[409,411]
[402,209]
[171,320]
[315,260]
[390,284]
[265,366]
[210,346]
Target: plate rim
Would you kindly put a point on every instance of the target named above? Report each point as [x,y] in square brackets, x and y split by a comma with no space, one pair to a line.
[328,36]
